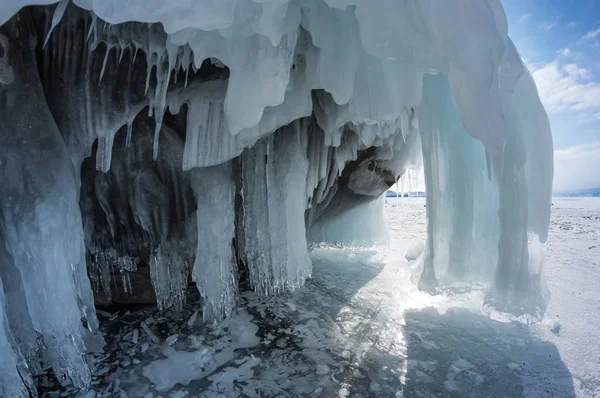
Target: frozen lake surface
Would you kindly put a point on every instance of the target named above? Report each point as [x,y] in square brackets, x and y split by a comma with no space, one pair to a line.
[360,328]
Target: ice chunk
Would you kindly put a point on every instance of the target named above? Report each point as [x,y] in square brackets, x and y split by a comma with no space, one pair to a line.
[149,333]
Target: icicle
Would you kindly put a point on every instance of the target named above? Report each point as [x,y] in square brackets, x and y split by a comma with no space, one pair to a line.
[208,141]
[169,272]
[106,54]
[133,61]
[156,136]
[59,11]
[104,152]
[129,133]
[121,51]
[93,26]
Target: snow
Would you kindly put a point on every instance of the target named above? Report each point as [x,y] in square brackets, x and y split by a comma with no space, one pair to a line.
[415,251]
[182,366]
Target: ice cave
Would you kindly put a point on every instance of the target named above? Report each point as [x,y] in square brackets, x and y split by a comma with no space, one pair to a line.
[151,150]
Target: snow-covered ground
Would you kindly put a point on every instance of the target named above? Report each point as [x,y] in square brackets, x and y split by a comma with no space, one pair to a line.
[360,328]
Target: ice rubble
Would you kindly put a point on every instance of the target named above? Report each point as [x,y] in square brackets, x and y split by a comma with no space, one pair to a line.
[266,119]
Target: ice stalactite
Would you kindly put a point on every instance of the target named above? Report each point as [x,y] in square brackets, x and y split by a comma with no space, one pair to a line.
[141,212]
[40,218]
[274,200]
[215,269]
[207,138]
[93,81]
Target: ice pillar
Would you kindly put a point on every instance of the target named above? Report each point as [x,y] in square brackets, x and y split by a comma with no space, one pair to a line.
[40,220]
[456,178]
[215,269]
[274,173]
[525,200]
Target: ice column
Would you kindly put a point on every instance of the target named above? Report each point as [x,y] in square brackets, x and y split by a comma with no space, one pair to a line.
[40,220]
[525,195]
[215,269]
[458,199]
[274,173]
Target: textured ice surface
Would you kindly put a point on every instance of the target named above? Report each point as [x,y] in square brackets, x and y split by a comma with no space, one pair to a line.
[360,325]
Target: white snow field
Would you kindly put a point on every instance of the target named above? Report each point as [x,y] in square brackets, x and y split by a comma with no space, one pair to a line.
[361,328]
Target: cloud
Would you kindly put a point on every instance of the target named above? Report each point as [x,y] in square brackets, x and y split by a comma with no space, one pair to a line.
[548,25]
[565,52]
[567,87]
[577,167]
[524,18]
[572,24]
[591,34]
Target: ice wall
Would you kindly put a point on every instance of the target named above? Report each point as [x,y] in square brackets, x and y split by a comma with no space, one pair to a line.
[207,137]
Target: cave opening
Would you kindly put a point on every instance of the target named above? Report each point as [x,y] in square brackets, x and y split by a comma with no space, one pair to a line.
[145,162]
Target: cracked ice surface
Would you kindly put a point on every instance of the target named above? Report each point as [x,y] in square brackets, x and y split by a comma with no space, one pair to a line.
[360,329]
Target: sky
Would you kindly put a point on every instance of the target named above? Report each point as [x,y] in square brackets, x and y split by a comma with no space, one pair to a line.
[559,41]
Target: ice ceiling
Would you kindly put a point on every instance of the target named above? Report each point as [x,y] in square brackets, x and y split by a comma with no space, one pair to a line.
[223,137]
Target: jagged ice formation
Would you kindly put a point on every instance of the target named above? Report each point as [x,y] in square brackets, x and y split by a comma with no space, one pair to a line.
[209,139]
